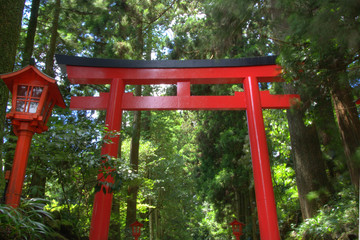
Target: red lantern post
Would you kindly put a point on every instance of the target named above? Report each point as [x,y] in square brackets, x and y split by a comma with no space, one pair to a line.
[136,229]
[34,96]
[237,228]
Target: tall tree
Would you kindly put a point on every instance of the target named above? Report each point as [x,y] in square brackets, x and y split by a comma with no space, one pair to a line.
[30,36]
[349,124]
[323,41]
[10,33]
[309,165]
[311,179]
[10,23]
[49,64]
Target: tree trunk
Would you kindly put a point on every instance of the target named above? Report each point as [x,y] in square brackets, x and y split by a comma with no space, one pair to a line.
[308,161]
[115,225]
[30,36]
[151,221]
[10,25]
[252,202]
[349,125]
[158,224]
[49,64]
[328,131]
[134,161]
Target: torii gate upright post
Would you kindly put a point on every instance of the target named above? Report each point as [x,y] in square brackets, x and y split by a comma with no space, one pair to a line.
[248,71]
[265,200]
[100,220]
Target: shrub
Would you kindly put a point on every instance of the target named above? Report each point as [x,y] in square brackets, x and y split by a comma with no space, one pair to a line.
[336,220]
[24,222]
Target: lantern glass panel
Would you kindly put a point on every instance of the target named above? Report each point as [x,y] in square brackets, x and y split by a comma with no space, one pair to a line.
[28,98]
[22,90]
[20,106]
[36,92]
[33,107]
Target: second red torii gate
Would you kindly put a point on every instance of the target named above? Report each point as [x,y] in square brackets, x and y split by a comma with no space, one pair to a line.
[118,73]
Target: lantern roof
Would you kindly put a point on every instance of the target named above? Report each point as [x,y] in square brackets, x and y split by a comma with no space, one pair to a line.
[136,224]
[31,74]
[235,222]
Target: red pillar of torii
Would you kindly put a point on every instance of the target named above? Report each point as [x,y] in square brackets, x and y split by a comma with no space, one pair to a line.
[118,73]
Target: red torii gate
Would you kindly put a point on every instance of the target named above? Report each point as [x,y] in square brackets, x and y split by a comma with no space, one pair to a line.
[118,73]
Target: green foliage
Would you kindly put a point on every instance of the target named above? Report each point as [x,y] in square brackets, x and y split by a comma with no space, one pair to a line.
[25,222]
[286,196]
[321,39]
[336,220]
[277,130]
[195,171]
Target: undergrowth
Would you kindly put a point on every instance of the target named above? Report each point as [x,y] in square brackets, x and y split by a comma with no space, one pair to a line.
[338,219]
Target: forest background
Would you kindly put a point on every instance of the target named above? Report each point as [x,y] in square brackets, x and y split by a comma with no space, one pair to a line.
[187,175]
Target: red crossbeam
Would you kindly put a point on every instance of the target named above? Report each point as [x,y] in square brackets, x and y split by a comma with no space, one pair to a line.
[130,102]
[223,75]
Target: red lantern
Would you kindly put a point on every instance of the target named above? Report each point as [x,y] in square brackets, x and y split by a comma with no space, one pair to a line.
[136,229]
[237,228]
[34,95]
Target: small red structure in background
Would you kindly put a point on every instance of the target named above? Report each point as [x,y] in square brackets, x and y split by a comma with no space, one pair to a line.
[7,175]
[34,96]
[136,229]
[237,228]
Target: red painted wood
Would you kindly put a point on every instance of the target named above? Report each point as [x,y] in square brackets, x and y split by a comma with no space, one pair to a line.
[30,75]
[265,200]
[182,102]
[90,103]
[25,122]
[229,75]
[103,201]
[251,100]
[183,88]
[24,132]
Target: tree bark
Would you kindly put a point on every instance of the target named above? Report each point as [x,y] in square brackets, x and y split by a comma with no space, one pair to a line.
[252,202]
[309,164]
[49,62]
[328,131]
[115,225]
[30,36]
[151,221]
[349,125]
[10,25]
